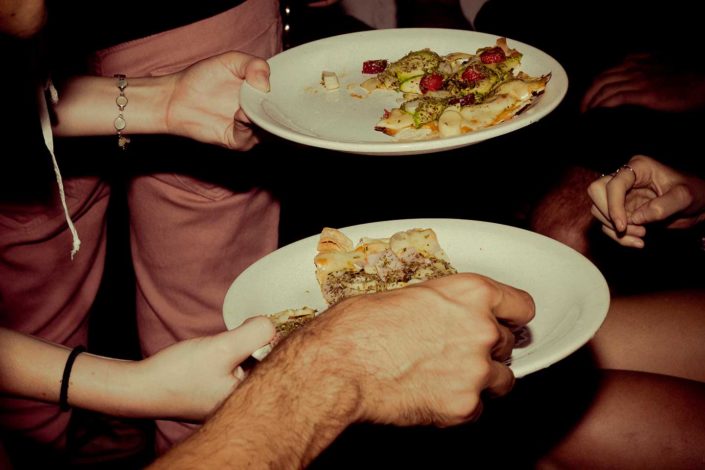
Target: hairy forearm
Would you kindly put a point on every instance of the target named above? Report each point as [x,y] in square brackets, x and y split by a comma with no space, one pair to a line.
[33,368]
[287,411]
[87,106]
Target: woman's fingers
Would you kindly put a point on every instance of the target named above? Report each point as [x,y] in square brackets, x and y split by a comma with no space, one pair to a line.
[626,239]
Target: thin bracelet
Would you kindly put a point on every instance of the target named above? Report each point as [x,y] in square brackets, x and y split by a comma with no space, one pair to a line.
[64,393]
[121,102]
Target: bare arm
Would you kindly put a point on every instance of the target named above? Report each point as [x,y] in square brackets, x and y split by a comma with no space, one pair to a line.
[260,424]
[202,102]
[32,368]
[87,106]
[187,380]
[418,355]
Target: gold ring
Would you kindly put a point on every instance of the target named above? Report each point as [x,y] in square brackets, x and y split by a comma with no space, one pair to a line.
[625,167]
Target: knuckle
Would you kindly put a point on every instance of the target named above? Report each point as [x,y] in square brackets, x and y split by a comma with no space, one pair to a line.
[466,407]
[481,373]
[594,188]
[487,334]
[638,159]
[684,193]
[483,287]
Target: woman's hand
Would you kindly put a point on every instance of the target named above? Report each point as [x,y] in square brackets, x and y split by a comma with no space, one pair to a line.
[643,192]
[190,379]
[205,100]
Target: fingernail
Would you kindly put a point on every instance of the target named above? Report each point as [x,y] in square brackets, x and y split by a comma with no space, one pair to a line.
[262,79]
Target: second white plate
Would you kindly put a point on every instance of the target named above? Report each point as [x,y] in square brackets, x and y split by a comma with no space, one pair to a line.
[571,294]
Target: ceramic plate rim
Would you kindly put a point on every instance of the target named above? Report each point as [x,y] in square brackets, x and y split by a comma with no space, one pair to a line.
[254,101]
[554,349]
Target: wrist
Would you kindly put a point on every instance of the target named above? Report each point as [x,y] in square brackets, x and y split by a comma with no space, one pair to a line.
[294,404]
[66,377]
[318,367]
[88,106]
[326,359]
[347,351]
[109,386]
[147,111]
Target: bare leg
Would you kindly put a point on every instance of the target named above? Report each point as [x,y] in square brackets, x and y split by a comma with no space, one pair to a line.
[660,333]
[564,213]
[637,420]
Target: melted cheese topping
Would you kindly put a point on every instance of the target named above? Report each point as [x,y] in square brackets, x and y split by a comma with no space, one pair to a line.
[424,242]
[327,263]
[380,264]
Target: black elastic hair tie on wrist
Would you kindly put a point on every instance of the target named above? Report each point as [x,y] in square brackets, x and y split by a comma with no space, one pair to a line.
[64,393]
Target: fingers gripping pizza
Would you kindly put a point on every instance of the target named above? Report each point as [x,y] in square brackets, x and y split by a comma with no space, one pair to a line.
[375,265]
[285,322]
[450,95]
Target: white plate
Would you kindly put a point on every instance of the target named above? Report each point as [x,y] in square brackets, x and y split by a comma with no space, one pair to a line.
[571,295]
[299,109]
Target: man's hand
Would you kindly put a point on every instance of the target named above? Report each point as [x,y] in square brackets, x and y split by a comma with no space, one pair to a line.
[645,80]
[424,354]
[418,355]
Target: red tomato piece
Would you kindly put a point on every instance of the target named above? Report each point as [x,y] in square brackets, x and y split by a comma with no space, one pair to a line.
[472,74]
[431,82]
[374,66]
[493,55]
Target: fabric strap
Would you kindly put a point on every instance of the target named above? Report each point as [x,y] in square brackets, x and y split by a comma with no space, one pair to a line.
[49,141]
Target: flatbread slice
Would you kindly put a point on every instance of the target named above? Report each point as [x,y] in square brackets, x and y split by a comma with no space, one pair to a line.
[376,265]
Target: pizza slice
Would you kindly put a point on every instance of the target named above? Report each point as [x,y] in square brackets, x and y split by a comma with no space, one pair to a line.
[373,265]
[508,100]
[377,264]
[290,320]
[446,96]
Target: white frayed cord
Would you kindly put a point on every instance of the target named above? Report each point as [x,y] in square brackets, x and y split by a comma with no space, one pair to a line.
[49,141]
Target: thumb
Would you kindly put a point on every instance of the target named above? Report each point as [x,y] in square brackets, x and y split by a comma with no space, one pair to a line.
[248,67]
[257,74]
[660,208]
[241,342]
